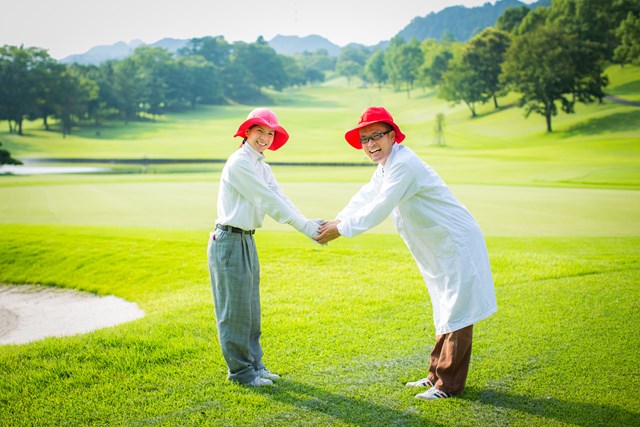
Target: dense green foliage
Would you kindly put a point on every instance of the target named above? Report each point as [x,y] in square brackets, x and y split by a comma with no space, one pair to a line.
[584,34]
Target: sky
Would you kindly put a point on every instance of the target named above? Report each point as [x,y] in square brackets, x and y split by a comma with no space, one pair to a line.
[67,27]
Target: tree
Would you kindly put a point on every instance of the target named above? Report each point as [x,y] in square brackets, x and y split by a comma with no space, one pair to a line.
[484,55]
[392,60]
[153,65]
[128,88]
[215,50]
[439,65]
[375,70]
[410,60]
[21,82]
[628,51]
[348,69]
[511,18]
[318,60]
[593,21]
[438,130]
[264,65]
[74,97]
[558,74]
[461,83]
[295,75]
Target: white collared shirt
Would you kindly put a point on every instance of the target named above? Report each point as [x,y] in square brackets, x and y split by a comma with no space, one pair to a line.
[441,234]
[248,191]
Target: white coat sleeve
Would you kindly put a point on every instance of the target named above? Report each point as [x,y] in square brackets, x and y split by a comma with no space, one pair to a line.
[272,183]
[244,178]
[363,196]
[398,184]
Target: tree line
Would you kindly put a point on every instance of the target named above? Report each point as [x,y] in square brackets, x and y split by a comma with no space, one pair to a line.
[552,56]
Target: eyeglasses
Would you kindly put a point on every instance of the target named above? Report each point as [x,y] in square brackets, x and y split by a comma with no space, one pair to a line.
[373,137]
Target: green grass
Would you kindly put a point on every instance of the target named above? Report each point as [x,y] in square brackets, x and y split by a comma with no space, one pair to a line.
[346,325]
[560,350]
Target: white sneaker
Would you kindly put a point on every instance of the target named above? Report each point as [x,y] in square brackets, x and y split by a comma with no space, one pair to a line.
[424,382]
[264,373]
[433,393]
[259,381]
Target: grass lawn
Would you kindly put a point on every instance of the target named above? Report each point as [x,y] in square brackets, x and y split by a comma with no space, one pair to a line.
[345,325]
[560,351]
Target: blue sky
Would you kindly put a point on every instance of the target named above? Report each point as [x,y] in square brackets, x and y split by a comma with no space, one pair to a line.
[66,27]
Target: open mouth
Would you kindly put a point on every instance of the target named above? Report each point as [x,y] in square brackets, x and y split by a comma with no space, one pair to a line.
[375,151]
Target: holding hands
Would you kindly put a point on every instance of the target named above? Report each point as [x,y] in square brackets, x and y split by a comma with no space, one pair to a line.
[327,232]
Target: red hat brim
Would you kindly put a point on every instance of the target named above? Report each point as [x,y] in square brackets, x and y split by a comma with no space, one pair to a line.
[281,137]
[370,116]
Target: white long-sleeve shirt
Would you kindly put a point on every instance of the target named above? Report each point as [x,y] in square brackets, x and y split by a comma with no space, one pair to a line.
[441,234]
[248,191]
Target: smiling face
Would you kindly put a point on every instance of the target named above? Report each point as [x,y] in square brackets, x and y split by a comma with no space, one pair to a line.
[260,137]
[377,150]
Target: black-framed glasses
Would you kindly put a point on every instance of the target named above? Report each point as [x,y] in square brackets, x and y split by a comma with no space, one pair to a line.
[373,137]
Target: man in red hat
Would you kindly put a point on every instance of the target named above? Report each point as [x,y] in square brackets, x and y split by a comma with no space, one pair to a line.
[248,192]
[441,234]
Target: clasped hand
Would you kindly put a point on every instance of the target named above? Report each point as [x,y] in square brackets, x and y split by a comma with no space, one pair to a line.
[327,232]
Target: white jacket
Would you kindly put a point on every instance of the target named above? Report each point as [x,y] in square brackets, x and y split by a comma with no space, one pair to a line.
[248,191]
[441,234]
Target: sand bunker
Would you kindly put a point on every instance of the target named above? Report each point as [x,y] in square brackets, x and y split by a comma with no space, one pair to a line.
[30,313]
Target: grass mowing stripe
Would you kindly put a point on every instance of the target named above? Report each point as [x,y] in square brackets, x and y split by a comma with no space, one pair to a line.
[500,210]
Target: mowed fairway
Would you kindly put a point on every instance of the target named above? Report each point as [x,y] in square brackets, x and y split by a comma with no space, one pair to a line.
[501,210]
[345,325]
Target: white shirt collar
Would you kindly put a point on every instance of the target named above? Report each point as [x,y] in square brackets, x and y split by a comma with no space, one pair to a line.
[391,156]
[255,155]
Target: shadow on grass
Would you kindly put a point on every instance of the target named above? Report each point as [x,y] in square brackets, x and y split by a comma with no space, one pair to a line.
[619,122]
[627,89]
[360,412]
[552,408]
[349,410]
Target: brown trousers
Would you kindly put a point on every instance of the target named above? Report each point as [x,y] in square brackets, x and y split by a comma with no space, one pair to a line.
[450,360]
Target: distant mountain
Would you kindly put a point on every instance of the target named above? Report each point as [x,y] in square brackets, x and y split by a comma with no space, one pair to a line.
[99,54]
[461,22]
[290,45]
[120,50]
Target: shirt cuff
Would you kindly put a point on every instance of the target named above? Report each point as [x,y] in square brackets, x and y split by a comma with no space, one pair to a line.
[344,229]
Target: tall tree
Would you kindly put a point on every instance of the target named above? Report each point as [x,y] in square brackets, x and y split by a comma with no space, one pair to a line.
[410,60]
[128,88]
[75,95]
[22,81]
[153,66]
[392,60]
[375,69]
[511,18]
[461,84]
[628,51]
[261,61]
[545,67]
[484,56]
[593,21]
[215,50]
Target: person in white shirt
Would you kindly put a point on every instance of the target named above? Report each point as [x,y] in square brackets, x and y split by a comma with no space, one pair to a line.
[444,239]
[248,191]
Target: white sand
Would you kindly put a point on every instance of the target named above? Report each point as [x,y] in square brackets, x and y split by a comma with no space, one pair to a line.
[30,313]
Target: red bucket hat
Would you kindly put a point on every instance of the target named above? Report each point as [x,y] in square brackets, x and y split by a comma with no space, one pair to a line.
[369,116]
[264,117]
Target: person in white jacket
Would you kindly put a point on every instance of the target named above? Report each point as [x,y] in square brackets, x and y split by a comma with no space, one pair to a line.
[445,240]
[248,191]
